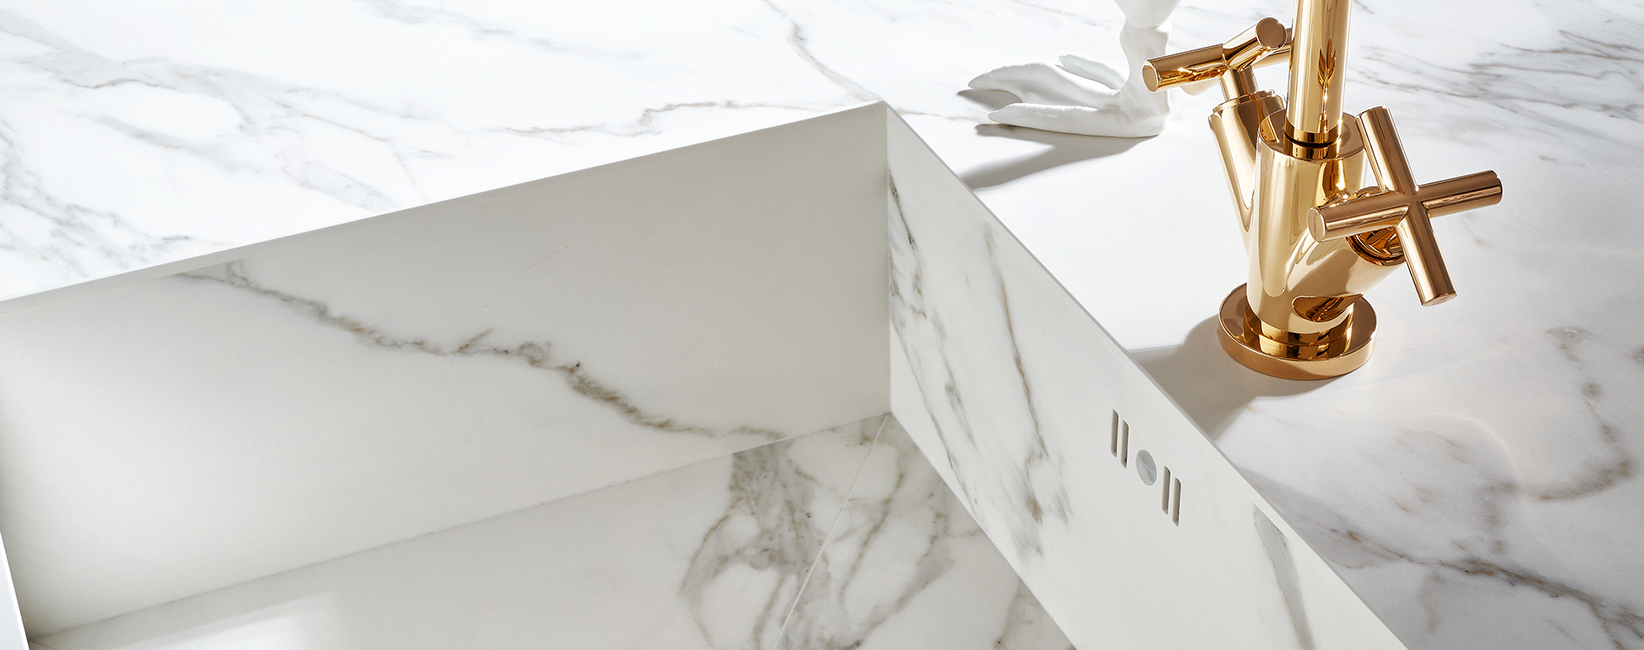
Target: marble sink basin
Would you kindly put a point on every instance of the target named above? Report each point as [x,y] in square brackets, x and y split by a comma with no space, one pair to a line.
[337,415]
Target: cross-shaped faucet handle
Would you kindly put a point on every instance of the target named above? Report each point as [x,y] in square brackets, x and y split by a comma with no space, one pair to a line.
[1404,206]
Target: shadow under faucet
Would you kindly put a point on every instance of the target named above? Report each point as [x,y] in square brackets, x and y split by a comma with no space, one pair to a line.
[1209,385]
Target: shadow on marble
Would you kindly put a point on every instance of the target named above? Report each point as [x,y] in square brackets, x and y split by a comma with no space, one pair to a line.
[992,100]
[1209,386]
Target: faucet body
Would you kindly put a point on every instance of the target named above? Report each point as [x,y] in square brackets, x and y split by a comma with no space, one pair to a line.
[1296,282]
[1301,314]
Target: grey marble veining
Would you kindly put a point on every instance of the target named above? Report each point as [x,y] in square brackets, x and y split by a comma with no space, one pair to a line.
[1028,505]
[904,557]
[135,134]
[706,556]
[737,553]
[1040,421]
[535,354]
[330,393]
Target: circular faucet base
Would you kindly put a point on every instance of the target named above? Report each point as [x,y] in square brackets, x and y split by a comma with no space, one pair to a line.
[1335,353]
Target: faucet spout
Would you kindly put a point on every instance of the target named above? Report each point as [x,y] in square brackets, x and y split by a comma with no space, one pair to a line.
[1316,71]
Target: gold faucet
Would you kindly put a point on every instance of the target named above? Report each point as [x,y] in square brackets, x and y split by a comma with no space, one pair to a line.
[1317,235]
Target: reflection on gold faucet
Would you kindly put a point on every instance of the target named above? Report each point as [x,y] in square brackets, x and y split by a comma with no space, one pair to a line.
[1317,235]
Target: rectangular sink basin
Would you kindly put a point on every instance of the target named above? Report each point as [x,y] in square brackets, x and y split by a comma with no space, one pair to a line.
[173,432]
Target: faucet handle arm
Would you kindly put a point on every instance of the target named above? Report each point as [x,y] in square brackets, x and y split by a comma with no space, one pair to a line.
[1266,41]
[1404,206]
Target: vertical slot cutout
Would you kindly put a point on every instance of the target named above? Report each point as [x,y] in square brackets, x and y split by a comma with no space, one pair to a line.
[1124,444]
[1176,502]
[1115,449]
[1164,498]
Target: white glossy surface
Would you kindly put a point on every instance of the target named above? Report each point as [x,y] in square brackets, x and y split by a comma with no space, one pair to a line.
[1499,507]
[1037,418]
[200,503]
[904,556]
[343,389]
[712,556]
[12,634]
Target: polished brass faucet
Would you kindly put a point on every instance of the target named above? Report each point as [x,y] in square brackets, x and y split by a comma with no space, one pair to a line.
[1317,234]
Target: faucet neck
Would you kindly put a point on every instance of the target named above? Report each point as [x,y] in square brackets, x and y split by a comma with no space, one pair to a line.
[1316,72]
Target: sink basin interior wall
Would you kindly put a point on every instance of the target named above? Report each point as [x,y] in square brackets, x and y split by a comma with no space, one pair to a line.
[1039,421]
[844,537]
[186,428]
[190,427]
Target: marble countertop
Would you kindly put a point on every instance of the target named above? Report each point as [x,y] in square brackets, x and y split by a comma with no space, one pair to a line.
[1475,482]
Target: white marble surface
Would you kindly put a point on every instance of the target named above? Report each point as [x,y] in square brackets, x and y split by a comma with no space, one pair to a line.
[1106,498]
[1477,481]
[261,410]
[902,559]
[12,633]
[840,538]
[339,390]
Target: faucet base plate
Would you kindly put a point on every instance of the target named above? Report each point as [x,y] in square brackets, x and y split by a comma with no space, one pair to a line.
[1338,352]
